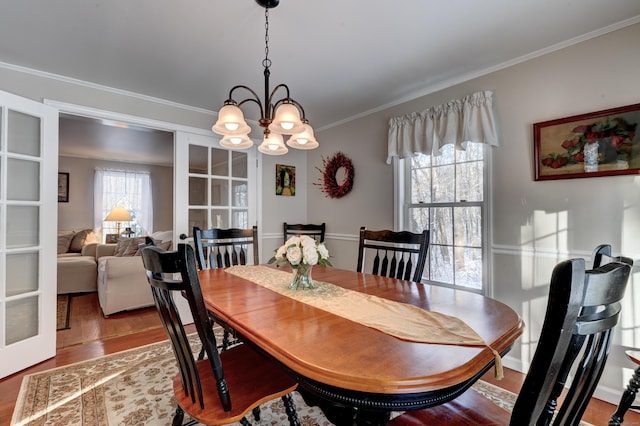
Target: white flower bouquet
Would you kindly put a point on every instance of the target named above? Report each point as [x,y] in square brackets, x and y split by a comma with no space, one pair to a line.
[301,252]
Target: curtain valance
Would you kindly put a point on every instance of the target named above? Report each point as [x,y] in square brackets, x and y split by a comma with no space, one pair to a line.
[469,119]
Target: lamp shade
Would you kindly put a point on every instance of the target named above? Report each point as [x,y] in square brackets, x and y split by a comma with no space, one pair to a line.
[303,140]
[118,214]
[236,142]
[287,120]
[231,121]
[273,144]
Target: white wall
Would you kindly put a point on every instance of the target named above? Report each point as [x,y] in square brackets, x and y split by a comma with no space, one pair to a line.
[535,224]
[276,209]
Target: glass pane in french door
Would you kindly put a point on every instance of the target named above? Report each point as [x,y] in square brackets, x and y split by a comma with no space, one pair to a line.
[218,188]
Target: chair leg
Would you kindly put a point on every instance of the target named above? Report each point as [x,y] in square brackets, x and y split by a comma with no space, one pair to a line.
[225,340]
[245,422]
[178,417]
[256,413]
[627,399]
[290,408]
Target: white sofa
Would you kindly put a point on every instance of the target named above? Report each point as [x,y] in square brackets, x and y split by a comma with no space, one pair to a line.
[122,279]
[77,268]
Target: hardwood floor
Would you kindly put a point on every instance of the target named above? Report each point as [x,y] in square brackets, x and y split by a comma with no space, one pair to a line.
[91,335]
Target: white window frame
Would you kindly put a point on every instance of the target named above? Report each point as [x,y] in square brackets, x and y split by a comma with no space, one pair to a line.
[402,203]
[125,201]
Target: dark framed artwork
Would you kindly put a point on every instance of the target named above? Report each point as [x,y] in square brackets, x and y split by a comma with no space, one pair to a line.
[63,187]
[285,180]
[601,143]
[111,239]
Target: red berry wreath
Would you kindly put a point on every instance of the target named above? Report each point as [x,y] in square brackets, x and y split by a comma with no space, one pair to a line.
[329,185]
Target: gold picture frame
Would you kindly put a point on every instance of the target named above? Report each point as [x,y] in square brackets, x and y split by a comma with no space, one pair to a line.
[601,143]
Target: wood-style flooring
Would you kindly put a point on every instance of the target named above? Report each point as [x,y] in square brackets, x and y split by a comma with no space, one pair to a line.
[91,335]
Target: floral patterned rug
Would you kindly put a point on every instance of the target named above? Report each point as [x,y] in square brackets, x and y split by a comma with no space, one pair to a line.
[63,311]
[133,387]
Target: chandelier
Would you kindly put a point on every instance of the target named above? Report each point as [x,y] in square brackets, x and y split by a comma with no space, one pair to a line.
[278,117]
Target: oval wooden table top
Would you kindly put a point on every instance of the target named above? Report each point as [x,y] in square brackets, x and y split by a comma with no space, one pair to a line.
[343,354]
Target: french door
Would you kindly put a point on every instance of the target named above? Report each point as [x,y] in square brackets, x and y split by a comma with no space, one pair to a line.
[28,222]
[215,187]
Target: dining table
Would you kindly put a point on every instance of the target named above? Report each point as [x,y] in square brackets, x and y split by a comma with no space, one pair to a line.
[356,373]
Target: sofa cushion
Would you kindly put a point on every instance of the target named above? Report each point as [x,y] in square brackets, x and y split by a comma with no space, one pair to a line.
[127,246]
[162,235]
[164,245]
[64,241]
[80,238]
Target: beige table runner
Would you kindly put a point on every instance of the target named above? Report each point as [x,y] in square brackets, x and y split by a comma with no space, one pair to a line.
[397,319]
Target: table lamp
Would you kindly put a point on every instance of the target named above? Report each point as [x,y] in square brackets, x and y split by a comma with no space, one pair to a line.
[118,214]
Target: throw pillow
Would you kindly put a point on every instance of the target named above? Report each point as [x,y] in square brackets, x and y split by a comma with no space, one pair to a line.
[164,245]
[80,239]
[162,235]
[127,246]
[64,241]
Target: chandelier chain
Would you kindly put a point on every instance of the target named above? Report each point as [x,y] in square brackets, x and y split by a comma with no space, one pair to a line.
[266,62]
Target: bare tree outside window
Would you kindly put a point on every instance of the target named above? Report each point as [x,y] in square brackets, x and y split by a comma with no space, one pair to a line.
[445,194]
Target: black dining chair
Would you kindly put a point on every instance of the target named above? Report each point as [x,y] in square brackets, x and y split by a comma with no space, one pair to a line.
[601,255]
[582,309]
[400,254]
[224,387]
[222,248]
[314,231]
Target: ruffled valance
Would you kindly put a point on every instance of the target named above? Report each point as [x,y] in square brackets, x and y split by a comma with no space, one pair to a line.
[457,122]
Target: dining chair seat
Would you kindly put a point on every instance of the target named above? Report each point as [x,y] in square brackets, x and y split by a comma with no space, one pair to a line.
[224,387]
[582,309]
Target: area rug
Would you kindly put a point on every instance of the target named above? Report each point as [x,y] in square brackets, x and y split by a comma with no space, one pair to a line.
[63,311]
[133,387]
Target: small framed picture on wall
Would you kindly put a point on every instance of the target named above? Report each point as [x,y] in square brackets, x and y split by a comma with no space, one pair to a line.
[111,239]
[63,187]
[285,180]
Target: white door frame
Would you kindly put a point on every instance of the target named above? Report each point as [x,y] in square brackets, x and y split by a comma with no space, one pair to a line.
[180,221]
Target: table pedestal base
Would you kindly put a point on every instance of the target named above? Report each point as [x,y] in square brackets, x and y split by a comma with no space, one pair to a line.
[342,415]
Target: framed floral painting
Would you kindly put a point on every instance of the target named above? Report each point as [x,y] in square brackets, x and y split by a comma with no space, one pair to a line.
[602,143]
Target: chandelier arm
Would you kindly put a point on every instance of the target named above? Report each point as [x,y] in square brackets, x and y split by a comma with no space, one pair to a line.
[255,98]
[275,89]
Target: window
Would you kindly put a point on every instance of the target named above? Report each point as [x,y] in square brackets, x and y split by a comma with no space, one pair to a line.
[131,190]
[446,194]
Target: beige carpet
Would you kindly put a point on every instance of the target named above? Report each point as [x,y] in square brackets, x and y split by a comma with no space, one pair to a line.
[133,387]
[63,311]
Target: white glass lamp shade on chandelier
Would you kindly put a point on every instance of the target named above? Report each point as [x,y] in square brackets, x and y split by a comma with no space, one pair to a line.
[283,116]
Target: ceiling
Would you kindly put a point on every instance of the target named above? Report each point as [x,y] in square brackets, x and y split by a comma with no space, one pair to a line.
[340,59]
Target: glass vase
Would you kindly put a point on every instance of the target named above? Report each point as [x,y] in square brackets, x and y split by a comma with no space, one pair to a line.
[302,278]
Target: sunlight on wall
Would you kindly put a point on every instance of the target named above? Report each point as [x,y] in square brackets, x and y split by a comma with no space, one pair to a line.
[543,239]
[628,333]
[545,242]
